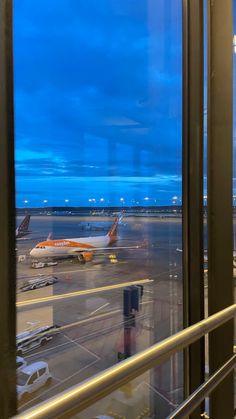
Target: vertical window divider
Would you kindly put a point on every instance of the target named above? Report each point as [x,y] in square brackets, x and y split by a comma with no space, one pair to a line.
[220,213]
[7,217]
[193,111]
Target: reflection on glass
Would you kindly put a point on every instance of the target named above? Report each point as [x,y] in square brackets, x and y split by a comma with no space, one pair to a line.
[135,399]
[234,170]
[98,128]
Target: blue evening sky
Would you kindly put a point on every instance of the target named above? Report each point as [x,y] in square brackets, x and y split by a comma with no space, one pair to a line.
[98,101]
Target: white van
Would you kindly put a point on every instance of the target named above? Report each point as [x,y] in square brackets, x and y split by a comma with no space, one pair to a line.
[20,363]
[31,378]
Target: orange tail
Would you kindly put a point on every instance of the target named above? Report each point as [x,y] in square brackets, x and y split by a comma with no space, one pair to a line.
[112,233]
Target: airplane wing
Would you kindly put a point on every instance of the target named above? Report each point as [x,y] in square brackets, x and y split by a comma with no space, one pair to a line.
[95,249]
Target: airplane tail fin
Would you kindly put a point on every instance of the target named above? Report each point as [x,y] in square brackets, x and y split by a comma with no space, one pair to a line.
[24,226]
[49,236]
[112,233]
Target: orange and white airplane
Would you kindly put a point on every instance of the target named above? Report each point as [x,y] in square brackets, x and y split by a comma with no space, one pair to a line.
[83,247]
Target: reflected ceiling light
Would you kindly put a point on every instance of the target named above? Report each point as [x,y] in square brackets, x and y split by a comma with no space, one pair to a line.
[45,201]
[102,199]
[66,200]
[146,198]
[26,201]
[122,199]
[234,43]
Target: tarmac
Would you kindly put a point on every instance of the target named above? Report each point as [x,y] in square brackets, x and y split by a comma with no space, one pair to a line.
[91,320]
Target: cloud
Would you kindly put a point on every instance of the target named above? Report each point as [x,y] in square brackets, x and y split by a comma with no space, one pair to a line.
[97,94]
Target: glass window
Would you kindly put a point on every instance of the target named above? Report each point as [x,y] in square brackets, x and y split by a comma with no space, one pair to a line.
[41,371]
[33,378]
[22,378]
[98,129]
[19,364]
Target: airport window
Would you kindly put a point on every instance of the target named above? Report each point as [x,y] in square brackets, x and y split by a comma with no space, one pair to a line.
[98,142]
[104,200]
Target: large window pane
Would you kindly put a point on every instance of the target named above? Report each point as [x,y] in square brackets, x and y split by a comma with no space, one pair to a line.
[98,126]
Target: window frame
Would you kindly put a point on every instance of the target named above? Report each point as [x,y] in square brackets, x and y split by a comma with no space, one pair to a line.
[8,398]
[220,202]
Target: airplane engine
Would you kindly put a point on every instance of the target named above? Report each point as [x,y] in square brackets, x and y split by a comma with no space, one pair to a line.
[88,256]
[85,257]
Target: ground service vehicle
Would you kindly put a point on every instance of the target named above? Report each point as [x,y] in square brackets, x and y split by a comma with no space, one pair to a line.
[38,282]
[39,265]
[31,378]
[29,340]
[20,363]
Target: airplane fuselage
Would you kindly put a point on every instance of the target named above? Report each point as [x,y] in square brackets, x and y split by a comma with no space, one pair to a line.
[69,247]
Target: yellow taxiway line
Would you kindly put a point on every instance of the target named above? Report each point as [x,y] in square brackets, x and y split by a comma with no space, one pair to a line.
[79,293]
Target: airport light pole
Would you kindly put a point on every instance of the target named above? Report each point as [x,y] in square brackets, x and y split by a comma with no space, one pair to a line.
[174,200]
[122,200]
[26,202]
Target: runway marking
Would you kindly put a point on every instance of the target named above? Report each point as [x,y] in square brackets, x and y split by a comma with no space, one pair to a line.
[99,308]
[89,319]
[58,384]
[88,335]
[82,347]
[56,379]
[79,293]
[161,395]
[47,350]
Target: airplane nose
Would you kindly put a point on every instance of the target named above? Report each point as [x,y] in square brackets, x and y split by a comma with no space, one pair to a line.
[32,252]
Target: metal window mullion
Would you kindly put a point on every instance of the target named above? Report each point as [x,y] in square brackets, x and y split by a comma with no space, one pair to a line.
[204,390]
[220,227]
[193,188]
[7,217]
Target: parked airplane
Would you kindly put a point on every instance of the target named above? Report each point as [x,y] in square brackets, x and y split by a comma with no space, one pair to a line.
[83,247]
[23,228]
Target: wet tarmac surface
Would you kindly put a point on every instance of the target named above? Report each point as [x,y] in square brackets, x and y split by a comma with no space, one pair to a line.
[92,324]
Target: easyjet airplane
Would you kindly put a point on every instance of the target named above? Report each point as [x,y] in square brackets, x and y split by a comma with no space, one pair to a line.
[23,228]
[82,247]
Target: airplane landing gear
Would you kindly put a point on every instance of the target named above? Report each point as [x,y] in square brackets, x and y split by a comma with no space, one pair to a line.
[81,259]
